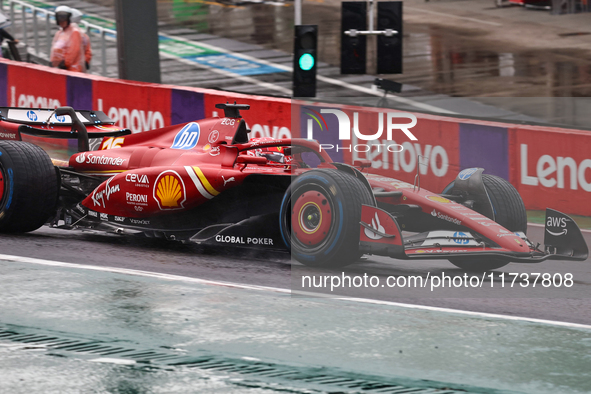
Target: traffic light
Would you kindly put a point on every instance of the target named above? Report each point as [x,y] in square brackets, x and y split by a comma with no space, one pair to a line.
[353,48]
[390,47]
[304,60]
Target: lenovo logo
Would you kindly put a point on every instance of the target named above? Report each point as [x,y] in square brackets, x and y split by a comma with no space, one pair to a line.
[558,172]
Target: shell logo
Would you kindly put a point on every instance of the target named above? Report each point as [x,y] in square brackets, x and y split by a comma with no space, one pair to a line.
[169,191]
[439,199]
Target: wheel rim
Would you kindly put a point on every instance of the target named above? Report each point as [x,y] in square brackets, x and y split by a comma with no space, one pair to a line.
[311,218]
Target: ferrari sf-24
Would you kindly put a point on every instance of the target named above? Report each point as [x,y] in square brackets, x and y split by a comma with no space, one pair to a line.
[206,181]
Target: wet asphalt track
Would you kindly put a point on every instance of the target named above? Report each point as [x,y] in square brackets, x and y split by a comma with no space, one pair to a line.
[274,269]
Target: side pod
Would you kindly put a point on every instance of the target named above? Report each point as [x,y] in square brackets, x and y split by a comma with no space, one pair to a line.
[562,237]
[380,234]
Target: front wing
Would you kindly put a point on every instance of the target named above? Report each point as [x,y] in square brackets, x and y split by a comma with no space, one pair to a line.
[381,235]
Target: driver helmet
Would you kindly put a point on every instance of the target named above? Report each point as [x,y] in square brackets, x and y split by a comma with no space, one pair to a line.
[272,153]
[63,13]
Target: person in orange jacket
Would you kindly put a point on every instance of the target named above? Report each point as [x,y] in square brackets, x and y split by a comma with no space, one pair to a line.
[76,18]
[87,49]
[67,50]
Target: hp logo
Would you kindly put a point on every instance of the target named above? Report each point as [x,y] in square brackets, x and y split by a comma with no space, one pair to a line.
[32,115]
[187,138]
[463,238]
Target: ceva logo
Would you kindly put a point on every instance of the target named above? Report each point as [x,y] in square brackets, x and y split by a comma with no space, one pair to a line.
[187,138]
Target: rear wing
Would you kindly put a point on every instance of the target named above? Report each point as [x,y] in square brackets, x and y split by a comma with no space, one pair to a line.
[43,116]
[62,122]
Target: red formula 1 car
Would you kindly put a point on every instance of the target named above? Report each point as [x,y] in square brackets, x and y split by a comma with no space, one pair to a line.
[206,181]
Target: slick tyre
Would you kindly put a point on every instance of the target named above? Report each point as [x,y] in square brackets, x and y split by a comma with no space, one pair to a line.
[319,217]
[509,212]
[478,264]
[507,204]
[28,187]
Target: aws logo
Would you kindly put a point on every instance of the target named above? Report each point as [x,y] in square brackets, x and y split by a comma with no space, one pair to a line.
[556,224]
[169,191]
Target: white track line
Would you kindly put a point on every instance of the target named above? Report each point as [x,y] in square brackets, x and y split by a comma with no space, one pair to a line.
[322,78]
[346,85]
[178,278]
[229,74]
[281,89]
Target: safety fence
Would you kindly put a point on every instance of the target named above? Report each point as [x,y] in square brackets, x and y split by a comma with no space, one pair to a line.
[33,23]
[549,166]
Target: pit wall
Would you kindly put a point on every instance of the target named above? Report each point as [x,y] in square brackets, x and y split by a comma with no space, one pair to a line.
[550,167]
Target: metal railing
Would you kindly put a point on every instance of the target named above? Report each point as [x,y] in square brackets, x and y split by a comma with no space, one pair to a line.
[22,14]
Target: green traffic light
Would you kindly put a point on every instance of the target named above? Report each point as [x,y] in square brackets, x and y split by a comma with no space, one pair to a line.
[306,62]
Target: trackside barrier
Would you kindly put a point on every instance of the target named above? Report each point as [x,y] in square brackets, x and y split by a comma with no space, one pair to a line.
[38,20]
[549,166]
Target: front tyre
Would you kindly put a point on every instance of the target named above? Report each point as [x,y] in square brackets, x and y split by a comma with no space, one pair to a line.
[319,217]
[28,187]
[478,264]
[506,202]
[509,212]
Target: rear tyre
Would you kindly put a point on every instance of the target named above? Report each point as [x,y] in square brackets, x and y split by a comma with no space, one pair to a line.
[319,217]
[28,187]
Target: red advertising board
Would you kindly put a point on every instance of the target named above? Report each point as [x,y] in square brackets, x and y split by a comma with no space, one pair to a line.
[434,155]
[397,143]
[34,87]
[136,106]
[551,167]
